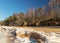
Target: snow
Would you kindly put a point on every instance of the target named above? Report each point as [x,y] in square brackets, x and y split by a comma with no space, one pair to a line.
[51,37]
[25,40]
[2,37]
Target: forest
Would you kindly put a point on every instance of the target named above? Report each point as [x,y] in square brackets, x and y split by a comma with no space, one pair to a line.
[48,15]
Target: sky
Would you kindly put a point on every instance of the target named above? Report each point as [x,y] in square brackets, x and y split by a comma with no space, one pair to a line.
[9,7]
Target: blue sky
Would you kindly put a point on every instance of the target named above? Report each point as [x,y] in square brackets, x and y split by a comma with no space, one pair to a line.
[9,7]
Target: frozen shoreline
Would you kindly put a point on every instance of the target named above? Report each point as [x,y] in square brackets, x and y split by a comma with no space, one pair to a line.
[51,37]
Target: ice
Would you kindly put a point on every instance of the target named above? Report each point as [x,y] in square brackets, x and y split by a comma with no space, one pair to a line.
[2,37]
[26,40]
[9,35]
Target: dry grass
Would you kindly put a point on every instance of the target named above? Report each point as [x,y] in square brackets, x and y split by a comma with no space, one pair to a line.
[45,29]
[48,29]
